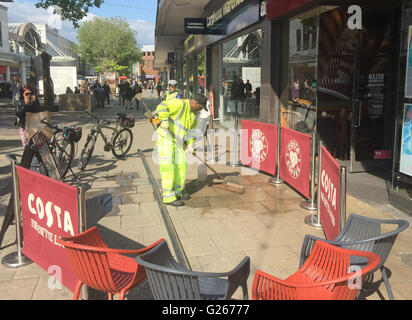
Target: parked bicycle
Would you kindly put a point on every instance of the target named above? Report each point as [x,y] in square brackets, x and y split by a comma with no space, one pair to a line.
[120,142]
[62,145]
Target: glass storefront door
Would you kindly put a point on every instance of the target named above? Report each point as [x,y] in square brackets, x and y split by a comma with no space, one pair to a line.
[370,107]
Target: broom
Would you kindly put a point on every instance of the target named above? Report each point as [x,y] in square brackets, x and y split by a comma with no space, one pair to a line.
[219,183]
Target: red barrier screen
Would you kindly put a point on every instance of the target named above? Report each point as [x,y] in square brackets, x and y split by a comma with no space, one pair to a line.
[329,186]
[259,145]
[295,160]
[49,210]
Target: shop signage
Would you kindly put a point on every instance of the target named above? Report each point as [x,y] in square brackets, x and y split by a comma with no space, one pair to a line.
[295,160]
[382,154]
[195,26]
[276,8]
[405,161]
[259,145]
[49,210]
[329,206]
[223,11]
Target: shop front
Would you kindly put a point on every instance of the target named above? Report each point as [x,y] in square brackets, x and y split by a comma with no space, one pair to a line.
[343,81]
[233,60]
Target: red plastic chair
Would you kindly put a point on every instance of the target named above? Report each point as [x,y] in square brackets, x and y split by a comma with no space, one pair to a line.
[101,267]
[325,275]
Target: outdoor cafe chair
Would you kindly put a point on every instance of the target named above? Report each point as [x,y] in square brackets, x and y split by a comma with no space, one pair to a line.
[325,275]
[365,234]
[170,280]
[100,267]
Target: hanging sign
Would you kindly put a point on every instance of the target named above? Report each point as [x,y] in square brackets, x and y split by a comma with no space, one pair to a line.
[294,162]
[259,145]
[49,210]
[329,186]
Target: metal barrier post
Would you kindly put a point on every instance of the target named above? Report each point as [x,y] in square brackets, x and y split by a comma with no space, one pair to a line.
[81,206]
[16,259]
[342,215]
[314,219]
[311,204]
[235,162]
[276,180]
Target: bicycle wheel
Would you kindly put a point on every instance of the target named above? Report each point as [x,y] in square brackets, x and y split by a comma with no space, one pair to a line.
[65,155]
[122,142]
[87,152]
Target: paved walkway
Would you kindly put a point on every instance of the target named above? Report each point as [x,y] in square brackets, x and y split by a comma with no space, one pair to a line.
[217,228]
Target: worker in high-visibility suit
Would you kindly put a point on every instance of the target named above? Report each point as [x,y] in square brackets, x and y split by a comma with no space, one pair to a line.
[177,117]
[172,93]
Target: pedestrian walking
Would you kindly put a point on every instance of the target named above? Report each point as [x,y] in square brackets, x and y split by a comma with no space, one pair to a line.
[128,95]
[176,117]
[86,87]
[172,93]
[107,92]
[16,89]
[121,88]
[69,90]
[151,88]
[159,89]
[29,103]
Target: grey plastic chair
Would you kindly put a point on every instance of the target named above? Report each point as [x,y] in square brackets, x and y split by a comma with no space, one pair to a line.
[170,280]
[364,234]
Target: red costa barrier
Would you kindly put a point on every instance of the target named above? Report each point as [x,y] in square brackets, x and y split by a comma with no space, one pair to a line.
[329,197]
[259,142]
[49,210]
[294,162]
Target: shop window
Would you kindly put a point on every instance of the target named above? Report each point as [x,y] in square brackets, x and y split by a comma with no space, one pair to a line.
[298,40]
[300,112]
[241,69]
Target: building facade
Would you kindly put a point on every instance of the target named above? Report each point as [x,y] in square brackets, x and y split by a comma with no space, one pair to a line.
[147,71]
[341,70]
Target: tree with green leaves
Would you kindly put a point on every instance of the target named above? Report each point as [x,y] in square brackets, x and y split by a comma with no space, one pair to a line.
[72,10]
[108,44]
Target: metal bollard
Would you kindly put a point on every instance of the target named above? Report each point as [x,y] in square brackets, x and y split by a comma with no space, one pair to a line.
[311,204]
[16,259]
[342,215]
[314,219]
[235,162]
[276,180]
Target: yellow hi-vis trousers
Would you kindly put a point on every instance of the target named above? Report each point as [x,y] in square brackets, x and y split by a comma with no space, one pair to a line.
[172,165]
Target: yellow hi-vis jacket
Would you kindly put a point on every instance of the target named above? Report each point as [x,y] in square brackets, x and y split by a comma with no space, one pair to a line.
[172,95]
[180,118]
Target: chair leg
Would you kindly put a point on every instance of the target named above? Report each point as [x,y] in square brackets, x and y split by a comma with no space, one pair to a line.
[110,296]
[77,290]
[386,281]
[122,295]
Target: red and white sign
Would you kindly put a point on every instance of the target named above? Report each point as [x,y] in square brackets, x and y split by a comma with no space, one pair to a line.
[329,186]
[295,160]
[381,154]
[49,210]
[259,145]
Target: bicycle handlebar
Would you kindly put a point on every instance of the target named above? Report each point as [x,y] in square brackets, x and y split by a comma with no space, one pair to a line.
[49,125]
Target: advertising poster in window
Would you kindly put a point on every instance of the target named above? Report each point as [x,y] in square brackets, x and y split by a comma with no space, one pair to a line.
[405,163]
[408,80]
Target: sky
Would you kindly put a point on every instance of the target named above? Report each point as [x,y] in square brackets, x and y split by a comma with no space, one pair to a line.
[140,14]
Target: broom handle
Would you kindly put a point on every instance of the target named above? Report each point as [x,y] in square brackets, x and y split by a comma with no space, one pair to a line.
[207,165]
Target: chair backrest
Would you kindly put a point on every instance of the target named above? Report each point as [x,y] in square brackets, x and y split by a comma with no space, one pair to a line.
[325,275]
[168,279]
[366,234]
[90,260]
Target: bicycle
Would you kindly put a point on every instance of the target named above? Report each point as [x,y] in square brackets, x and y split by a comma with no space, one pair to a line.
[120,142]
[62,145]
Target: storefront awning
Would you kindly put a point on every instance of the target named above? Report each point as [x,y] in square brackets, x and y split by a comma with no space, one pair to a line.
[276,8]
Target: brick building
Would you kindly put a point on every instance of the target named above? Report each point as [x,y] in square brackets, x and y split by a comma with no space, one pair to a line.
[147,73]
